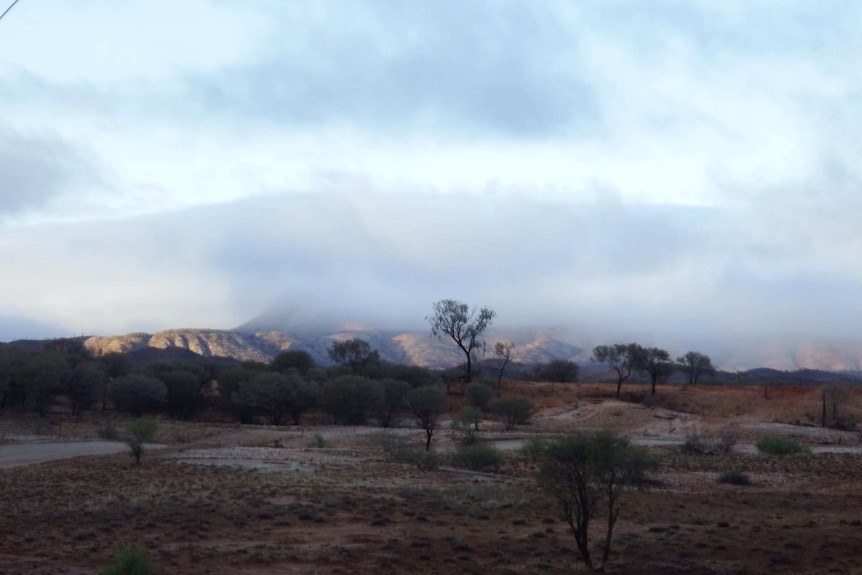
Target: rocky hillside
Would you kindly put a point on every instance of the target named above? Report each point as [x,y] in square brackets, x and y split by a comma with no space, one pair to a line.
[406,348]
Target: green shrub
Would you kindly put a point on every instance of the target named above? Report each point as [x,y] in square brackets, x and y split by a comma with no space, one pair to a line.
[140,431]
[780,446]
[478,457]
[512,410]
[130,561]
[319,441]
[533,449]
[734,477]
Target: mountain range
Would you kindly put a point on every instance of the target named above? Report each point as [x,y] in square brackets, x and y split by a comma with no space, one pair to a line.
[247,343]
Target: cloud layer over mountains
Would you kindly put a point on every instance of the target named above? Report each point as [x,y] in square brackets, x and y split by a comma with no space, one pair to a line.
[684,174]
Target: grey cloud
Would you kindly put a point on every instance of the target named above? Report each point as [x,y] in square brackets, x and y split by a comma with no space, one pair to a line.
[505,69]
[34,170]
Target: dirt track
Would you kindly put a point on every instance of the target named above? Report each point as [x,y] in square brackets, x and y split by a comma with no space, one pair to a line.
[26,453]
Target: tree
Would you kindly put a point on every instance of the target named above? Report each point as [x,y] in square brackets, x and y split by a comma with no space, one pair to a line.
[463,326]
[505,351]
[86,385]
[478,395]
[656,363]
[621,357]
[297,359]
[427,403]
[585,470]
[695,364]
[349,399]
[835,394]
[356,354]
[183,396]
[136,393]
[392,401]
[274,396]
[513,410]
[140,431]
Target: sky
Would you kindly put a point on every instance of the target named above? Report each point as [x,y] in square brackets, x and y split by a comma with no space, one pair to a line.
[681,172]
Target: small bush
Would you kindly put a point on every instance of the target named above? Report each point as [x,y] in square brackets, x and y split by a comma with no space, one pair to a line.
[130,561]
[734,477]
[319,441]
[533,449]
[694,444]
[727,440]
[478,457]
[780,446]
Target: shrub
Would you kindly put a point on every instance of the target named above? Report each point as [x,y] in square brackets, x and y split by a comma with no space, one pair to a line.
[140,431]
[780,446]
[130,561]
[478,457]
[734,477]
[319,441]
[533,449]
[478,395]
[694,444]
[513,410]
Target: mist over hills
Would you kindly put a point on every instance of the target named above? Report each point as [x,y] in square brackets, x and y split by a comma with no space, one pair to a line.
[262,338]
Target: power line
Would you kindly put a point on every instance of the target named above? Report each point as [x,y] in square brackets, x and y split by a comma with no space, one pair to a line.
[12,5]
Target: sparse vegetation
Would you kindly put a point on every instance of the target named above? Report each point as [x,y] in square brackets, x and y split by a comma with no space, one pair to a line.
[584,471]
[139,432]
[512,410]
[478,457]
[130,561]
[771,445]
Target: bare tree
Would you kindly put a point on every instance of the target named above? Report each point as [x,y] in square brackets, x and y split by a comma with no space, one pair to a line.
[695,364]
[462,325]
[621,357]
[835,395]
[505,350]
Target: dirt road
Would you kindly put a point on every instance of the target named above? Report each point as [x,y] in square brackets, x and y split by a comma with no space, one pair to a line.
[26,453]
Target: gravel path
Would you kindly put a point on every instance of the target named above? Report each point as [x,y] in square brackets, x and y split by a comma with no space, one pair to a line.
[18,454]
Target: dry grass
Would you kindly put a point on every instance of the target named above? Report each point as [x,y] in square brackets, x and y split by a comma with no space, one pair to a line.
[353,509]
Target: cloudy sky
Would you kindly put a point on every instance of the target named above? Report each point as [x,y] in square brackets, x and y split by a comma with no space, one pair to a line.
[667,170]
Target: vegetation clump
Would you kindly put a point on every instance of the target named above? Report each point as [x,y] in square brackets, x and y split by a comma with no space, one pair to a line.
[130,561]
[771,445]
[140,431]
[478,457]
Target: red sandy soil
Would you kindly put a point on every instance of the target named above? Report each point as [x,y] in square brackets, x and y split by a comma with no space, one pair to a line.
[355,506]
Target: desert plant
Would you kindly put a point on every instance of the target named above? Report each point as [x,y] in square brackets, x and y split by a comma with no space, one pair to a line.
[319,441]
[512,410]
[130,561]
[478,457]
[694,444]
[734,477]
[478,395]
[584,470]
[534,448]
[140,431]
[780,446]
[427,403]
